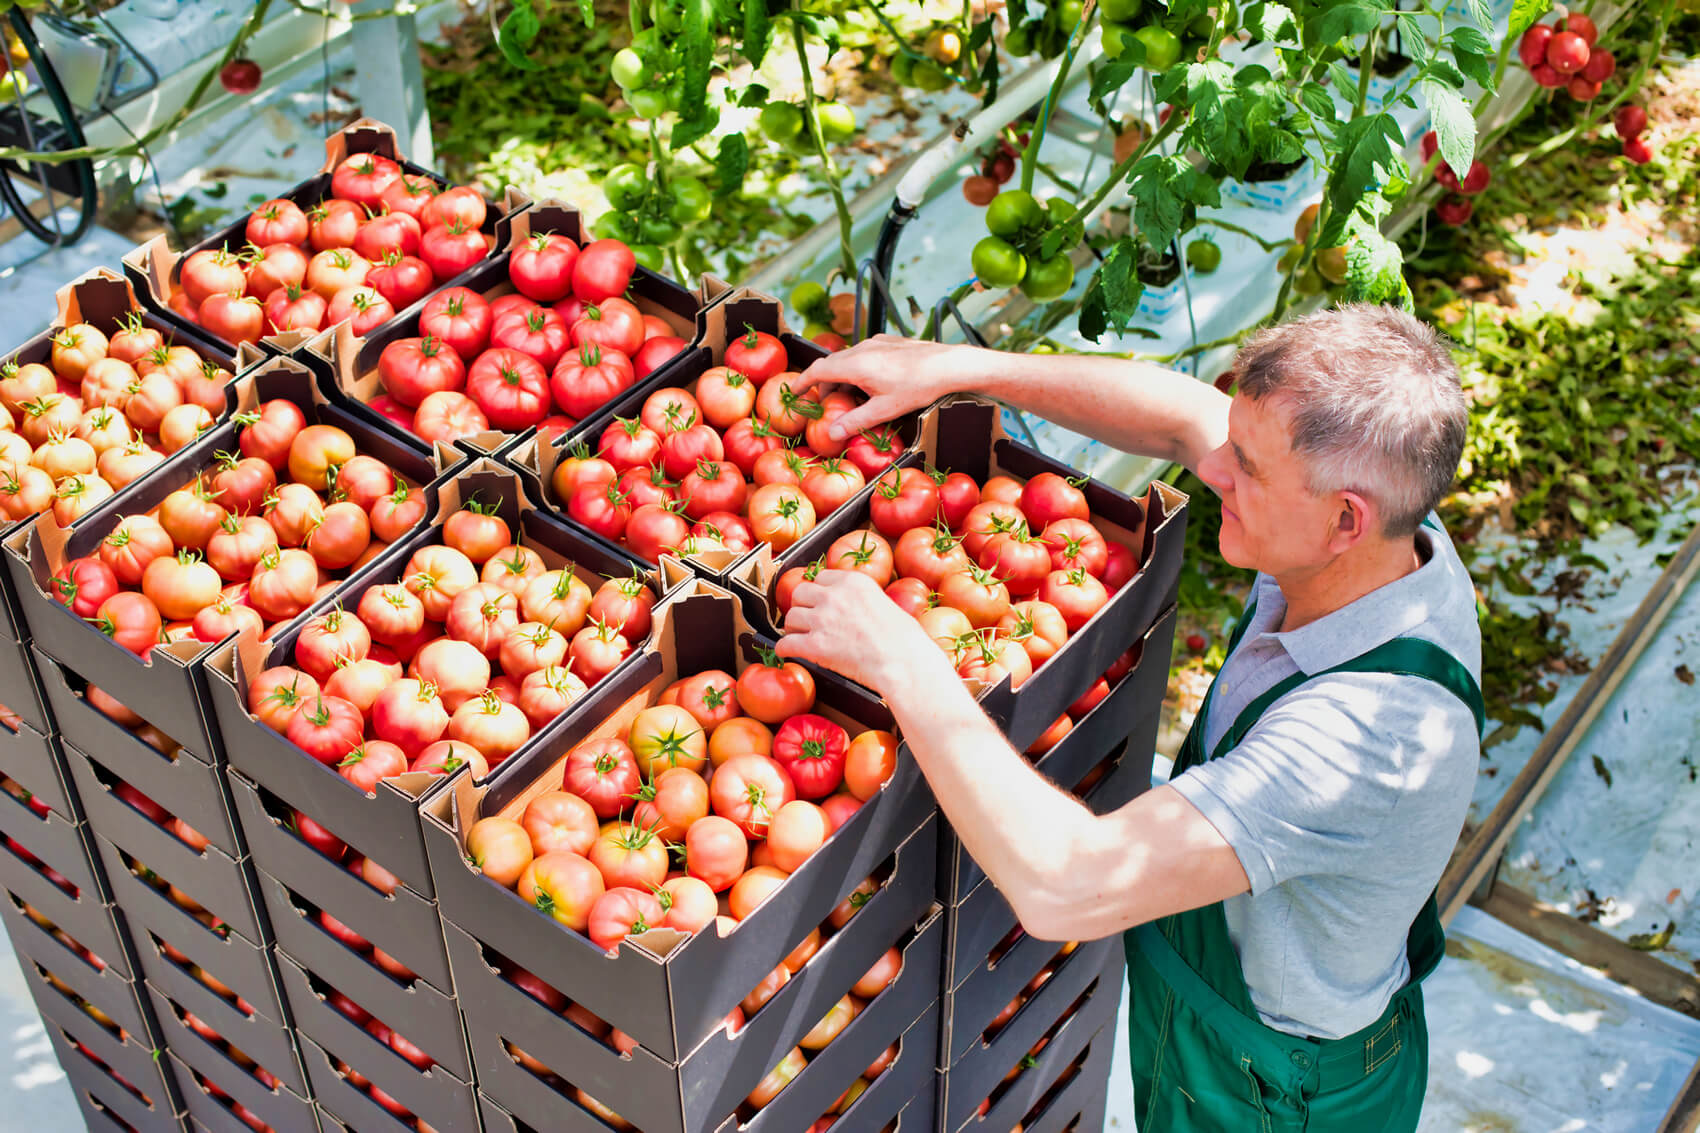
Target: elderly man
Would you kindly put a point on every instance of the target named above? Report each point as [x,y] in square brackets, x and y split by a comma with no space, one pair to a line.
[1277,893]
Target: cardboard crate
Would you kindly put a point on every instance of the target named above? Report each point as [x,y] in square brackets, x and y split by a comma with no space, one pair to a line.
[1078,1101]
[434,1095]
[982,921]
[279,1106]
[1068,1012]
[51,967]
[719,325]
[384,826]
[1131,714]
[108,1104]
[31,758]
[103,300]
[313,963]
[208,1113]
[667,995]
[698,1093]
[154,269]
[168,683]
[254,1006]
[349,364]
[965,434]
[88,914]
[904,1092]
[18,689]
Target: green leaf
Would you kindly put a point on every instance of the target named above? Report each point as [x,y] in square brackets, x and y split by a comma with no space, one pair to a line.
[1474,55]
[1112,298]
[1454,124]
[518,32]
[1162,185]
[1469,39]
[1318,101]
[1343,81]
[1108,79]
[731,162]
[1412,41]
[1374,266]
[1479,13]
[755,95]
[1525,14]
[587,12]
[1348,20]
[990,72]
[1370,151]
[823,28]
[757,29]
[1273,22]
[696,118]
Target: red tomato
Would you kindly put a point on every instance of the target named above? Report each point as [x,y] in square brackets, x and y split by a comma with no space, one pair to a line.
[329,641]
[733,531]
[1048,497]
[327,729]
[911,595]
[621,912]
[1119,568]
[811,749]
[1038,627]
[1018,559]
[604,773]
[563,886]
[603,270]
[977,593]
[830,484]
[413,368]
[627,444]
[586,379]
[757,355]
[234,317]
[510,387]
[386,233]
[716,851]
[1076,594]
[1075,543]
[452,248]
[397,513]
[903,498]
[447,415]
[403,280]
[647,484]
[713,487]
[363,177]
[276,221]
[463,203]
[988,518]
[269,432]
[537,331]
[654,530]
[928,554]
[409,193]
[408,714]
[276,266]
[624,604]
[542,267]
[459,317]
[875,450]
[749,789]
[131,620]
[863,552]
[627,854]
[209,272]
[656,351]
[333,224]
[682,450]
[595,651]
[613,324]
[780,515]
[605,512]
[747,439]
[83,584]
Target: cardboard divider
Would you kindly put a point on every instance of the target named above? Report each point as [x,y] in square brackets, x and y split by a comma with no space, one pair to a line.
[31,758]
[105,1103]
[1083,997]
[385,824]
[348,365]
[402,923]
[980,922]
[435,1095]
[965,434]
[719,325]
[279,1107]
[103,300]
[1130,714]
[89,917]
[697,1094]
[207,1114]
[108,988]
[185,786]
[312,961]
[168,683]
[155,270]
[18,689]
[667,994]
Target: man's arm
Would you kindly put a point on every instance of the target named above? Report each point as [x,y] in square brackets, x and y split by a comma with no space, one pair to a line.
[1134,406]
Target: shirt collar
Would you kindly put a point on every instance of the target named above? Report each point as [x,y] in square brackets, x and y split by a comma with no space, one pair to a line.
[1378,617]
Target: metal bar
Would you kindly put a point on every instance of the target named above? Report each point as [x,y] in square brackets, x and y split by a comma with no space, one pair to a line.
[390,81]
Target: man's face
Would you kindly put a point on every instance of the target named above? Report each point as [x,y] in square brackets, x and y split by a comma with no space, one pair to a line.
[1271,521]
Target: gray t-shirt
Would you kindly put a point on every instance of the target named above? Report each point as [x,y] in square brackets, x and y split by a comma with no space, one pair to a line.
[1345,800]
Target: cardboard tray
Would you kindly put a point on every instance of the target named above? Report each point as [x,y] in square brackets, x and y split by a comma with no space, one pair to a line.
[207,1114]
[402,923]
[718,326]
[31,758]
[189,789]
[965,434]
[671,998]
[90,917]
[264,1035]
[1130,714]
[1095,971]
[348,365]
[59,842]
[384,825]
[312,963]
[108,1107]
[102,299]
[243,967]
[448,1105]
[1077,1102]
[280,1107]
[980,922]
[18,689]
[108,988]
[154,268]
[697,1095]
[521,1102]
[169,682]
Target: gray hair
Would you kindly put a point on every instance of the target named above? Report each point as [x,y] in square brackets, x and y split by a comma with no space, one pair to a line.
[1376,404]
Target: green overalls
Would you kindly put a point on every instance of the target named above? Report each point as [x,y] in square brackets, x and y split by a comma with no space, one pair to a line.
[1204,1060]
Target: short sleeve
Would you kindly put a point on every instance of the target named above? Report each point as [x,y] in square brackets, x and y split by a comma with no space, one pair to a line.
[1339,776]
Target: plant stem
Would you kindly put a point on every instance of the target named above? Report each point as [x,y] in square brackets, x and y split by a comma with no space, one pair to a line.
[847,257]
[1036,136]
[1124,167]
[1228,226]
[1366,71]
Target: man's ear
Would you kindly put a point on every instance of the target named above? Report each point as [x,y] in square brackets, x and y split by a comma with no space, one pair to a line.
[1353,521]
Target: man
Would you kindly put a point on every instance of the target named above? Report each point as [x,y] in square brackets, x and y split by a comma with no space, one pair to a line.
[1276,893]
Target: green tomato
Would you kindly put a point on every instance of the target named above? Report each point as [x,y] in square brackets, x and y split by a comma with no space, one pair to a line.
[781,122]
[1012,211]
[1289,259]
[647,103]
[808,298]
[902,69]
[1058,210]
[1048,279]
[666,15]
[1200,26]
[812,328]
[997,263]
[691,200]
[626,186]
[1162,48]
[1018,42]
[929,76]
[1120,11]
[675,96]
[616,225]
[1203,256]
[647,43]
[837,121]
[1068,13]
[1115,38]
[658,229]
[1309,282]
[649,256]
[628,69]
[1052,40]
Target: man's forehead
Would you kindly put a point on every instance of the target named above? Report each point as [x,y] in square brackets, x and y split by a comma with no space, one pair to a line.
[1261,425]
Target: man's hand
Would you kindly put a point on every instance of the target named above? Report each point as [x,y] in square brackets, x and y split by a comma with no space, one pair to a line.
[898,374]
[844,622]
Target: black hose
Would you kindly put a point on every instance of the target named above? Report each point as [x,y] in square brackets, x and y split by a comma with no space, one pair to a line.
[885,251]
[81,172]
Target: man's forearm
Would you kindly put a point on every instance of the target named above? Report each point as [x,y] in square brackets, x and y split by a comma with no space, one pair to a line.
[1134,406]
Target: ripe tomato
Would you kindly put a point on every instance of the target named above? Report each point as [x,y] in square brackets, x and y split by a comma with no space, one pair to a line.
[989,518]
[276,221]
[875,450]
[333,270]
[749,789]
[268,432]
[604,773]
[329,641]
[363,177]
[276,694]
[830,484]
[131,620]
[690,904]
[445,757]
[341,536]
[654,530]
[798,830]
[757,355]
[403,280]
[780,466]
[928,554]
[457,669]
[682,450]
[1020,560]
[716,851]
[977,593]
[129,547]
[563,886]
[452,248]
[1076,595]
[621,912]
[413,368]
[864,552]
[605,511]
[733,531]
[713,487]
[669,409]
[671,802]
[409,193]
[482,615]
[462,203]
[726,396]
[595,651]
[234,317]
[388,233]
[536,331]
[276,266]
[989,658]
[780,515]
[757,885]
[657,350]
[327,729]
[203,274]
[811,749]
[1038,627]
[333,224]
[613,324]
[1048,497]
[458,317]
[1075,543]
[627,444]
[83,584]
[410,715]
[958,493]
[627,854]
[747,440]
[774,690]
[490,724]
[710,697]
[603,270]
[542,267]
[361,681]
[903,498]
[447,415]
[624,604]
[1119,568]
[783,408]
[586,379]
[499,848]
[511,388]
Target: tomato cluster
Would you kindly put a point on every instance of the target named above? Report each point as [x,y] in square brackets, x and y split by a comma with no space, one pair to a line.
[1456,207]
[420,1059]
[829,317]
[998,574]
[738,457]
[565,341]
[252,541]
[476,648]
[382,241]
[1011,255]
[997,166]
[98,414]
